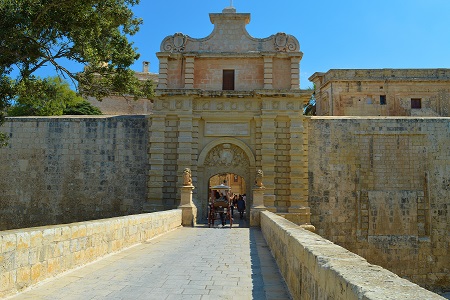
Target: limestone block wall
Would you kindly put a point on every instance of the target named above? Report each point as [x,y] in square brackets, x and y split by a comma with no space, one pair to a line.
[249,73]
[315,268]
[282,164]
[115,105]
[30,255]
[175,73]
[70,169]
[383,92]
[380,187]
[282,73]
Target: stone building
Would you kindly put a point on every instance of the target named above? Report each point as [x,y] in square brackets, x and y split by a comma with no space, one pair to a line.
[230,103]
[383,92]
[370,172]
[120,105]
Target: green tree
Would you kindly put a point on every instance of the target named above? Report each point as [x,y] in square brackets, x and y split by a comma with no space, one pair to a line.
[51,97]
[82,108]
[92,33]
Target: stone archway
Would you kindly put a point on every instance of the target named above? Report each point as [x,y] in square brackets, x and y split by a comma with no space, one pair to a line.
[224,155]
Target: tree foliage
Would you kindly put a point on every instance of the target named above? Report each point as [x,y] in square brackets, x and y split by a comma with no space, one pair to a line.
[93,33]
[82,108]
[51,97]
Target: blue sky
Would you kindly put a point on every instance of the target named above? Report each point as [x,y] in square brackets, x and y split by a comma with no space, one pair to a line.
[332,34]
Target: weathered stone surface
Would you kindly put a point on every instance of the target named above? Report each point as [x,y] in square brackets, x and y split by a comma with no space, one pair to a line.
[72,169]
[315,268]
[19,268]
[379,187]
[383,92]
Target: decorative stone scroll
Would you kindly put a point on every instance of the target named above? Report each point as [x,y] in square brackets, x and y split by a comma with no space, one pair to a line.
[174,43]
[285,42]
[230,36]
[227,155]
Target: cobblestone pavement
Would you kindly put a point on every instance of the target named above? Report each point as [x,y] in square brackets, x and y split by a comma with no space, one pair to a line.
[187,263]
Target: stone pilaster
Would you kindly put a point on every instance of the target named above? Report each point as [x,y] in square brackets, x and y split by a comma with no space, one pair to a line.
[295,73]
[163,69]
[156,163]
[299,172]
[189,73]
[298,164]
[268,72]
[268,127]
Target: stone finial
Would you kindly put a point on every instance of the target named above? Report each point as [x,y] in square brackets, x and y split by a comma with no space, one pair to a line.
[259,178]
[187,177]
[229,10]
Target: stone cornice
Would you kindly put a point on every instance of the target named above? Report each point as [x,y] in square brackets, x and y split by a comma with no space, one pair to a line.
[382,75]
[232,94]
[178,55]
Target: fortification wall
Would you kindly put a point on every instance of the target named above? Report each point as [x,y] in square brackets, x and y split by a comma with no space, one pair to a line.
[315,268]
[71,169]
[30,255]
[380,187]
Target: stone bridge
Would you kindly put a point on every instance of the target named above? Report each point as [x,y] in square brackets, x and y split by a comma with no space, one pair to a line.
[152,256]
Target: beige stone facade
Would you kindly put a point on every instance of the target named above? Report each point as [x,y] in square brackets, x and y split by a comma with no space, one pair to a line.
[199,123]
[379,186]
[31,255]
[120,105]
[383,92]
[231,104]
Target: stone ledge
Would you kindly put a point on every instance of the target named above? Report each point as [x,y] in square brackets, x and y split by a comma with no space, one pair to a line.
[67,246]
[232,94]
[315,268]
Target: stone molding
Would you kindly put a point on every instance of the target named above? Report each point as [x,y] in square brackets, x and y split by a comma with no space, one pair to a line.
[230,35]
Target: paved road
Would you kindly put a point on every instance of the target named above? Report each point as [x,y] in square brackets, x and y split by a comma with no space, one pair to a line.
[187,263]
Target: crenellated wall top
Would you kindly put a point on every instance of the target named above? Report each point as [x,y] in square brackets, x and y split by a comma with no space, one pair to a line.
[230,36]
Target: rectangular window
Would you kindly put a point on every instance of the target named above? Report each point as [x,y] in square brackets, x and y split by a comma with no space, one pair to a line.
[416,103]
[228,80]
[383,100]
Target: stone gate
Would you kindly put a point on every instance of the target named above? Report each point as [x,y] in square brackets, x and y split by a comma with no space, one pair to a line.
[230,103]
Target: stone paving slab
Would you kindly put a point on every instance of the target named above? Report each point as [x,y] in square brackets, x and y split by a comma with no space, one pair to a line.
[187,263]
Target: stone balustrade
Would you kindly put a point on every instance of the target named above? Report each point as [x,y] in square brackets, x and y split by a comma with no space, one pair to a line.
[30,255]
[315,268]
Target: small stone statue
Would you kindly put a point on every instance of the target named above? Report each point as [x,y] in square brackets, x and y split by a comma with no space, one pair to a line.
[187,178]
[259,178]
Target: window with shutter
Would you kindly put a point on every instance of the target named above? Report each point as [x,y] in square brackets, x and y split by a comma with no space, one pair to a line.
[416,103]
[228,80]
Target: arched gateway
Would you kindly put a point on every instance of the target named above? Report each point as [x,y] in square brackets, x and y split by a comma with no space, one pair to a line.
[229,103]
[224,155]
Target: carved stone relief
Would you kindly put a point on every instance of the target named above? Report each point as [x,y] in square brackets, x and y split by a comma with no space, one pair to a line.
[227,155]
[174,43]
[285,43]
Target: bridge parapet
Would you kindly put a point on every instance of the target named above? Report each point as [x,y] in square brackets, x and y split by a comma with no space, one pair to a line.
[30,255]
[315,268]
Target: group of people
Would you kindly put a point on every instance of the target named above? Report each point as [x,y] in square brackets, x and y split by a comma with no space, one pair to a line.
[226,200]
[238,201]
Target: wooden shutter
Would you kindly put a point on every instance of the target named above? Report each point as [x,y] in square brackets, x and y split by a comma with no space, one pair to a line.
[228,80]
[416,103]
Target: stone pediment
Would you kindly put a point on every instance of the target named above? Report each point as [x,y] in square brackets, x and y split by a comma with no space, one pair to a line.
[230,36]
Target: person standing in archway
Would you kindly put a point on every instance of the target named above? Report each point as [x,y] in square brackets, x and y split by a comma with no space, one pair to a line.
[241,206]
